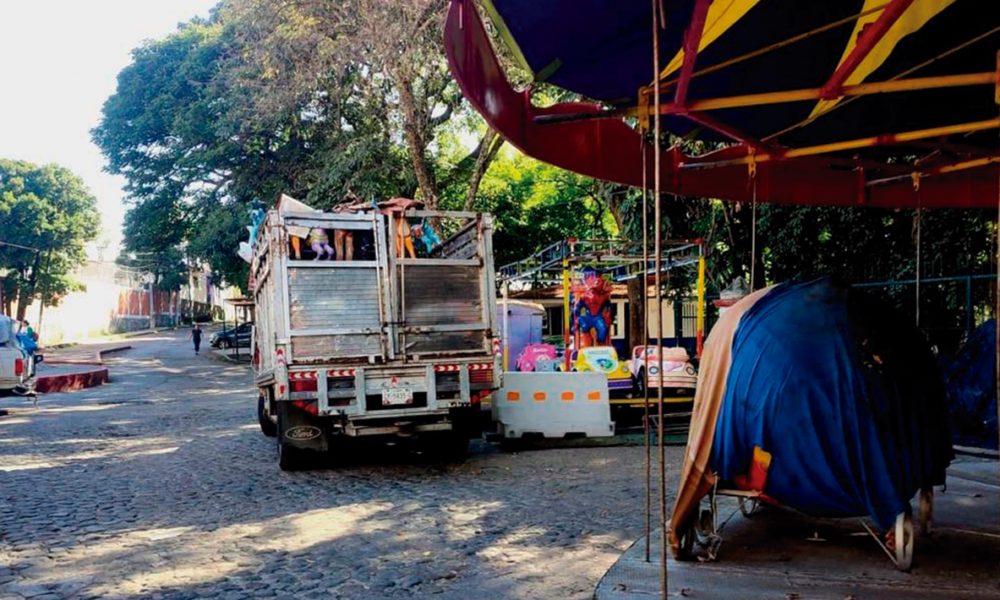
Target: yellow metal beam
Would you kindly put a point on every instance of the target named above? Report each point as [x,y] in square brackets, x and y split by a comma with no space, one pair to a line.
[861,89]
[770,98]
[880,140]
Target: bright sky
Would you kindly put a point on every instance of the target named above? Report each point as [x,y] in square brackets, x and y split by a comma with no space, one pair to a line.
[59,60]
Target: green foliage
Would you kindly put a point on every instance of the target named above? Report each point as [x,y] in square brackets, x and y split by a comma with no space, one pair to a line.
[220,230]
[248,105]
[535,205]
[47,208]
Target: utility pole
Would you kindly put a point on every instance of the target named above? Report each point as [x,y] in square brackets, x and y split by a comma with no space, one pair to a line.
[152,307]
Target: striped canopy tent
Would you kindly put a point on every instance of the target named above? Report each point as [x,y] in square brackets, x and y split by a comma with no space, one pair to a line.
[832,102]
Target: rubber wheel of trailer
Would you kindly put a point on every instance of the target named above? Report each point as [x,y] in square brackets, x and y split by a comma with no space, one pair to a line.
[267,426]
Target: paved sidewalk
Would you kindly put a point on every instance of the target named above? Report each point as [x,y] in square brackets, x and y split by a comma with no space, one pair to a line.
[783,554]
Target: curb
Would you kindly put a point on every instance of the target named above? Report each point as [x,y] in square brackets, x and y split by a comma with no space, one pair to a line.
[977,452]
[72,381]
[223,356]
[88,378]
[117,336]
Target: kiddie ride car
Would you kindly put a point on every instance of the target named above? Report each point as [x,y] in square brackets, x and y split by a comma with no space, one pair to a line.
[604,359]
[679,376]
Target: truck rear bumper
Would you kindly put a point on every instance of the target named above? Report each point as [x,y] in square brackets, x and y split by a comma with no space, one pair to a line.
[359,429]
[360,392]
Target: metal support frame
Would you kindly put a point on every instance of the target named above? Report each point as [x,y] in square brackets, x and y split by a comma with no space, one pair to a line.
[692,42]
[868,142]
[784,97]
[622,258]
[867,41]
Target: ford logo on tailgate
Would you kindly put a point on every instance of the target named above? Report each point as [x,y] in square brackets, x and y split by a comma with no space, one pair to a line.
[303,433]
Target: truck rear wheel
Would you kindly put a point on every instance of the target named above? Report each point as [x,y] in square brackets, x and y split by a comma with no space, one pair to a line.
[289,457]
[267,426]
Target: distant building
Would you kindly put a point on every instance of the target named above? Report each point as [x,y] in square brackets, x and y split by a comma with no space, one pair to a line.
[117,300]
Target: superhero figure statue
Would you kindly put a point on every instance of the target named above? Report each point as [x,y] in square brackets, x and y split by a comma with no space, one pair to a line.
[592,309]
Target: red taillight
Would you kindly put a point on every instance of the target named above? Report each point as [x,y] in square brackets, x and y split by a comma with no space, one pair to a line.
[481,376]
[303,385]
[18,366]
[307,405]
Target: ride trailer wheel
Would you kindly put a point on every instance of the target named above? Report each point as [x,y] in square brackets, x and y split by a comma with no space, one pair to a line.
[686,537]
[926,511]
[904,541]
[749,506]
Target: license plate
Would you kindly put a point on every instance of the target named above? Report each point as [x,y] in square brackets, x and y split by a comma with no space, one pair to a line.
[397,396]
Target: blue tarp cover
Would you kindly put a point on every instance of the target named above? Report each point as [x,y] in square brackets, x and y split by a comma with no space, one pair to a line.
[846,398]
[971,398]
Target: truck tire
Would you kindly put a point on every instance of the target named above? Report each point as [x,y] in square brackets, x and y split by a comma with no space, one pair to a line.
[267,426]
[289,457]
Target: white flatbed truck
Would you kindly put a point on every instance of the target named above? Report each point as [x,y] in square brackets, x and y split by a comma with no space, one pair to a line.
[378,345]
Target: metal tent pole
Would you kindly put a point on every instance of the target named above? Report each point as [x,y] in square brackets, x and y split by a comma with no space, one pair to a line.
[645,343]
[996,310]
[506,326]
[658,249]
[920,223]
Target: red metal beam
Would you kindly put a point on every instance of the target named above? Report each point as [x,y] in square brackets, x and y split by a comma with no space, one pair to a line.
[868,39]
[692,40]
[728,131]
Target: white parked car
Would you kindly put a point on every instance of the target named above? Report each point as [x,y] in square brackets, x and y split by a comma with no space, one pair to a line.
[17,365]
[679,375]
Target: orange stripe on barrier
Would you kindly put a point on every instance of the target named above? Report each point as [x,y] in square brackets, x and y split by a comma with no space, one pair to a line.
[540,396]
[513,396]
[594,396]
[568,396]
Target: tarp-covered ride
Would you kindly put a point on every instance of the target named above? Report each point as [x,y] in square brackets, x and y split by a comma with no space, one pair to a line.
[971,389]
[817,398]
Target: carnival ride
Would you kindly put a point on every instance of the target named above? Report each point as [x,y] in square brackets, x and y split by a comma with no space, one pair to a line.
[872,103]
[818,398]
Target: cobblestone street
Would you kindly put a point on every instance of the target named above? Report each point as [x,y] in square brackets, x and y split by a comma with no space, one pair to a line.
[160,485]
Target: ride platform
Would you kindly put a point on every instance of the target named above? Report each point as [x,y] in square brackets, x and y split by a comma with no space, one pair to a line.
[778,553]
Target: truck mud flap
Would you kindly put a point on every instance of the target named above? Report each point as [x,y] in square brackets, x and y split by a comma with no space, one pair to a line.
[299,429]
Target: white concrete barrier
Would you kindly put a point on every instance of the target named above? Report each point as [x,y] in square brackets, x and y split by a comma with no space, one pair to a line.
[553,405]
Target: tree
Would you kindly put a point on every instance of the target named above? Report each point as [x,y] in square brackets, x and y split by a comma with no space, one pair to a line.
[387,56]
[50,214]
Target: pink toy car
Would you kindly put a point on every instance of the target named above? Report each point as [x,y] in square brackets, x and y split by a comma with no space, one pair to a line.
[537,357]
[678,372]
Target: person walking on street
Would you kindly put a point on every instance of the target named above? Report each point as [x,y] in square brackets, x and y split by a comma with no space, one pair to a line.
[196,337]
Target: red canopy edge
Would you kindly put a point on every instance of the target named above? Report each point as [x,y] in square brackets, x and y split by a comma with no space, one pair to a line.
[610,150]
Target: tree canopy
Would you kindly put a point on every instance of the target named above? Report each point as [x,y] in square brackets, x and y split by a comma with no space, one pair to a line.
[318,98]
[49,214]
